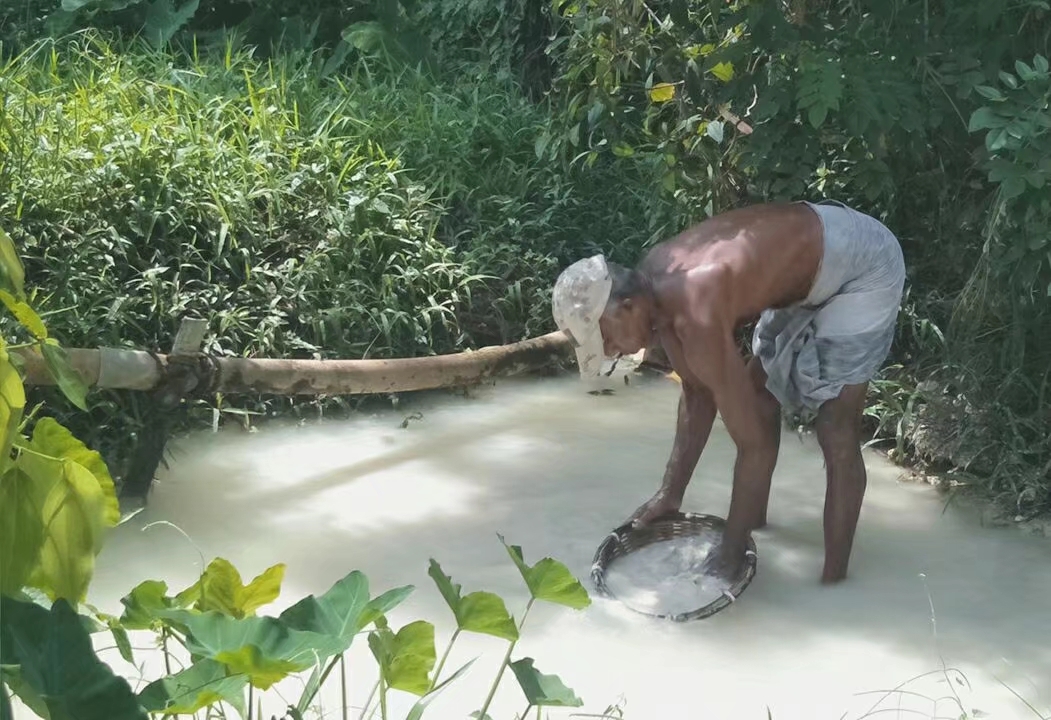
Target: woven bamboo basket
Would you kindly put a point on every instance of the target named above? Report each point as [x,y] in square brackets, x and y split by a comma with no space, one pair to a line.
[627,539]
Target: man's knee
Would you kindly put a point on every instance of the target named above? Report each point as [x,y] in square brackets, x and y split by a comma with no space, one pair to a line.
[839,423]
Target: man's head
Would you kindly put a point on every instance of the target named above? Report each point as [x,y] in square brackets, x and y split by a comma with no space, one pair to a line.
[605,309]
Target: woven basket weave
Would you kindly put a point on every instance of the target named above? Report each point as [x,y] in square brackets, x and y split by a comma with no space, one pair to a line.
[627,539]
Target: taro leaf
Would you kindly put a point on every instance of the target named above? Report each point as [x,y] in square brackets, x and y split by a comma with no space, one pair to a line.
[21,528]
[543,690]
[337,613]
[662,92]
[143,605]
[199,686]
[24,314]
[163,19]
[58,663]
[5,704]
[12,404]
[69,380]
[263,648]
[407,657]
[220,589]
[75,512]
[549,580]
[12,274]
[382,604]
[53,439]
[12,676]
[421,705]
[479,612]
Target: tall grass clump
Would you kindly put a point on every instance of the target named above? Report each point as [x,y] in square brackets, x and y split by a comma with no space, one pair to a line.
[370,214]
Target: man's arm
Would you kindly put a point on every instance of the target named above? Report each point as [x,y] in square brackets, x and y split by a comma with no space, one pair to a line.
[712,355]
[697,410]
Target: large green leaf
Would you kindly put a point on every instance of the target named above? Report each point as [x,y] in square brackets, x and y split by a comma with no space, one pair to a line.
[58,662]
[543,690]
[12,676]
[143,605]
[75,510]
[263,648]
[479,612]
[549,580]
[12,274]
[163,19]
[384,603]
[220,588]
[337,613]
[21,528]
[25,315]
[12,404]
[407,657]
[199,686]
[69,380]
[53,439]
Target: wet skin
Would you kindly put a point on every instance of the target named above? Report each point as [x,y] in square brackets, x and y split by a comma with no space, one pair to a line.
[704,284]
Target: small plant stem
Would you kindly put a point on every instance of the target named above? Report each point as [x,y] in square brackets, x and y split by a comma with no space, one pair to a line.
[445,656]
[343,684]
[383,699]
[505,663]
[538,709]
[368,702]
[167,655]
[249,701]
[324,676]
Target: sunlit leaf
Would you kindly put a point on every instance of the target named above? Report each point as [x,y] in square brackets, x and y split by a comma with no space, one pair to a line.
[12,274]
[662,92]
[622,149]
[58,662]
[197,687]
[263,648]
[21,528]
[69,380]
[12,404]
[479,612]
[220,589]
[407,657]
[143,605]
[715,130]
[543,690]
[24,314]
[724,71]
[549,580]
[75,512]
[51,438]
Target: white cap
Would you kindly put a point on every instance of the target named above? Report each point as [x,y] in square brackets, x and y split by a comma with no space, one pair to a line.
[577,302]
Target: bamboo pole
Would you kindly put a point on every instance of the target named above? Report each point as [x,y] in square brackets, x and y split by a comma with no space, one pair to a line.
[115,368]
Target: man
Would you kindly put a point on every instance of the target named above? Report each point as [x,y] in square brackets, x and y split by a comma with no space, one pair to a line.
[825,283]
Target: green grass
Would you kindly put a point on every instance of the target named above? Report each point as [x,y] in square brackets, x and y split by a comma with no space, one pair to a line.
[363,215]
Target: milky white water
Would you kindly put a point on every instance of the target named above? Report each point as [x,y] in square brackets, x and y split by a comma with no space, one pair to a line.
[667,578]
[554,470]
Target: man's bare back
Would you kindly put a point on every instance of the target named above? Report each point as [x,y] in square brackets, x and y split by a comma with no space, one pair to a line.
[690,293]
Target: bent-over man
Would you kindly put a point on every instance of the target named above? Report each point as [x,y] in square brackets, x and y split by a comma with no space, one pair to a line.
[825,283]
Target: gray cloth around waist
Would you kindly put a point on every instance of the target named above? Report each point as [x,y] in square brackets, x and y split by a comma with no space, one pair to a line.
[842,332]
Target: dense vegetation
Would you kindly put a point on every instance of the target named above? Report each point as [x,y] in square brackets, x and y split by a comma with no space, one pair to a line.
[393,178]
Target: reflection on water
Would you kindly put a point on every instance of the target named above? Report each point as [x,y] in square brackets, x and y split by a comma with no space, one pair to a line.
[554,469]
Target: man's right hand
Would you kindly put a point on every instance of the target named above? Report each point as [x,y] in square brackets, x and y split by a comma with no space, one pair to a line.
[661,504]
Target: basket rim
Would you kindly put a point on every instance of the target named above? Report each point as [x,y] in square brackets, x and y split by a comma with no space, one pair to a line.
[607,553]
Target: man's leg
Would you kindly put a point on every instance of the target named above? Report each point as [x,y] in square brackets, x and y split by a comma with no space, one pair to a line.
[839,434]
[770,409]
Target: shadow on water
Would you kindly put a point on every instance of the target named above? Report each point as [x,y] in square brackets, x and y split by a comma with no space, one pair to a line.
[554,469]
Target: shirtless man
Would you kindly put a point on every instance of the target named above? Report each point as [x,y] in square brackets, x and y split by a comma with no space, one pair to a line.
[824,282]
